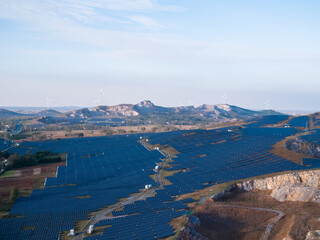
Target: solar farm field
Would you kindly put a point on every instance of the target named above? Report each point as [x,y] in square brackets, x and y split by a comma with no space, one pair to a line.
[4,144]
[313,137]
[101,171]
[299,121]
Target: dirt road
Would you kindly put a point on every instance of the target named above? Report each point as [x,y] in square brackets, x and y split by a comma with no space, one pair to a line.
[269,226]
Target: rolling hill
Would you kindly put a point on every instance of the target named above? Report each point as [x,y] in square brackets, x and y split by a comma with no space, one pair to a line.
[146,112]
[148,109]
[4,113]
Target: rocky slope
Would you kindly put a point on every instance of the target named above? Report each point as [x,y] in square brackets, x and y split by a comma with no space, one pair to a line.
[189,232]
[297,186]
[302,146]
[147,108]
[80,113]
[313,235]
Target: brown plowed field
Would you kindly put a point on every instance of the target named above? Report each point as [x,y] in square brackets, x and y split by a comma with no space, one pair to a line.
[25,179]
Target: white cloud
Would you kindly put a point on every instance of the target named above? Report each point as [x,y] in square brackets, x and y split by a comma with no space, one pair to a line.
[75,21]
[77,11]
[148,22]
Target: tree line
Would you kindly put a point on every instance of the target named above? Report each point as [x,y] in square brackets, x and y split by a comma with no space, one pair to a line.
[16,160]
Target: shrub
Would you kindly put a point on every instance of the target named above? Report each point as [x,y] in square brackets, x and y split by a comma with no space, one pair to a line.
[14,192]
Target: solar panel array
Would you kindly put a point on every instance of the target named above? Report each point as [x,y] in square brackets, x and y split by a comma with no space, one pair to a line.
[266,120]
[4,144]
[101,170]
[206,161]
[313,136]
[316,120]
[302,121]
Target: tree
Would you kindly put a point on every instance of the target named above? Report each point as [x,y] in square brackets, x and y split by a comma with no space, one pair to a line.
[120,130]
[43,137]
[4,154]
[14,192]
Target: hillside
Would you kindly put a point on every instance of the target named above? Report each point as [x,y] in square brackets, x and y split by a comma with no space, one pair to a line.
[142,113]
[146,109]
[8,114]
[47,112]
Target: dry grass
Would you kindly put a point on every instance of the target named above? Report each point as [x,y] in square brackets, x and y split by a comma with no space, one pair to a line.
[280,149]
[99,132]
[28,228]
[222,141]
[99,230]
[172,151]
[177,224]
[64,236]
[199,194]
[164,174]
[79,225]
[82,197]
[200,156]
[223,125]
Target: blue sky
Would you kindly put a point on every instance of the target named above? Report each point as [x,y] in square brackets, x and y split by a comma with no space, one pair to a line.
[171,52]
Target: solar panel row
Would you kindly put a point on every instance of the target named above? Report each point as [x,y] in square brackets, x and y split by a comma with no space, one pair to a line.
[101,170]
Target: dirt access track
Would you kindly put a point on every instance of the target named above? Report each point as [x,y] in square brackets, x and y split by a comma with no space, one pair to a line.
[228,222]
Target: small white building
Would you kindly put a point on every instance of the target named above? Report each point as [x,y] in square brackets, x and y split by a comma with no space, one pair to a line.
[71,233]
[147,186]
[90,229]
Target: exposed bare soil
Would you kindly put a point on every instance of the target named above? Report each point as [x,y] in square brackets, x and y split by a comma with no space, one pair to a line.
[245,224]
[280,149]
[26,179]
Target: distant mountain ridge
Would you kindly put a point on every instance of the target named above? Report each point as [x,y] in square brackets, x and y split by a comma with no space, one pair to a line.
[147,108]
[7,114]
[47,112]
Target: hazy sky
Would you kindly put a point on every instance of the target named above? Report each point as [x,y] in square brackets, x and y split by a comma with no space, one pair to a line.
[173,52]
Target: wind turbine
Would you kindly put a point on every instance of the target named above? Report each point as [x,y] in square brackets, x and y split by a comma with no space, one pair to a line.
[190,103]
[267,103]
[101,96]
[96,102]
[224,98]
[48,101]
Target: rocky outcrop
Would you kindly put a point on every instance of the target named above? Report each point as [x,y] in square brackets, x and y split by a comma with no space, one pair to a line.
[313,235]
[80,113]
[302,146]
[219,112]
[189,232]
[297,186]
